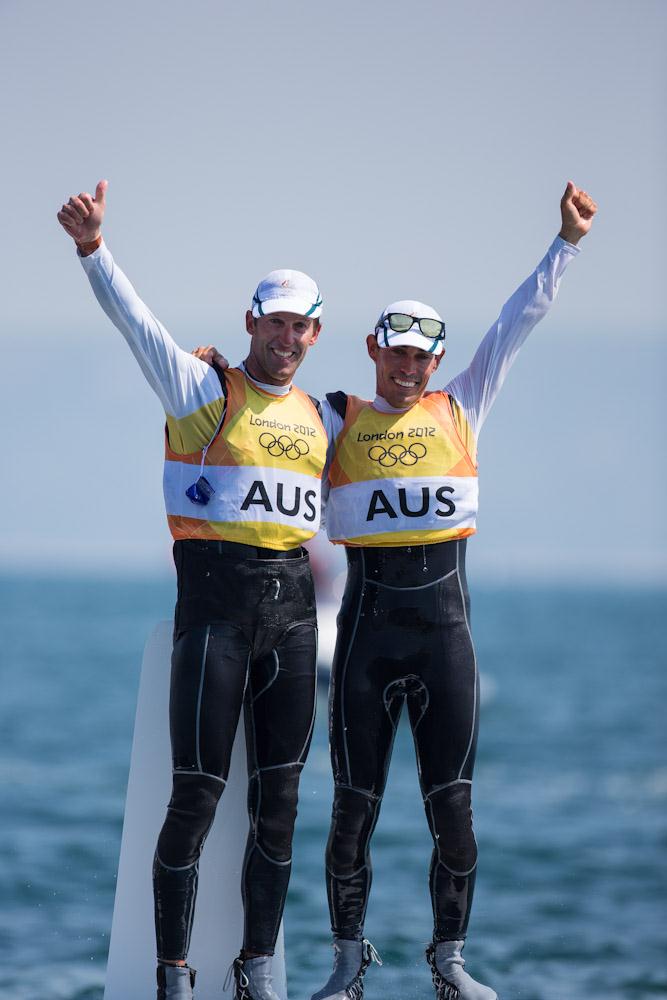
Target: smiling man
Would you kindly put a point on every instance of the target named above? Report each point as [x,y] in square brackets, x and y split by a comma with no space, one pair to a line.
[244,455]
[403,500]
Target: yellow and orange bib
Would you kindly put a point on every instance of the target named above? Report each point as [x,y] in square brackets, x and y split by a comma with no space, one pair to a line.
[264,466]
[402,478]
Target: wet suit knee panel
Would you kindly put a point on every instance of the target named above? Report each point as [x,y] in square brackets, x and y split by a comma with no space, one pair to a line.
[189,817]
[449,815]
[352,822]
[272,804]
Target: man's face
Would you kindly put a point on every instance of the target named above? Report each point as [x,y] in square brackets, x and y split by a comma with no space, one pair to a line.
[278,345]
[401,373]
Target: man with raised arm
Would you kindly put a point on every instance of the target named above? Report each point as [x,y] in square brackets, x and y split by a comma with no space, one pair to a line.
[244,455]
[402,498]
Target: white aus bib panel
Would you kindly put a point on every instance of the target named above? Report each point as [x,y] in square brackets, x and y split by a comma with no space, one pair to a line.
[245,493]
[376,506]
[218,925]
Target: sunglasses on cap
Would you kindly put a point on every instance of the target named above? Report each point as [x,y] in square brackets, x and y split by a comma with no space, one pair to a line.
[434,329]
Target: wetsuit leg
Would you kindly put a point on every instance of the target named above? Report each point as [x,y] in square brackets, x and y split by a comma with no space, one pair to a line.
[208,679]
[279,719]
[444,715]
[362,726]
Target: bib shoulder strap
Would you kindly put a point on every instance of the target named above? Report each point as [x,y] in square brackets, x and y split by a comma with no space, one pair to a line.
[223,381]
[338,402]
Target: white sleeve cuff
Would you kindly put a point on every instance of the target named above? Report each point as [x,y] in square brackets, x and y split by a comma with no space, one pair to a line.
[92,258]
[559,244]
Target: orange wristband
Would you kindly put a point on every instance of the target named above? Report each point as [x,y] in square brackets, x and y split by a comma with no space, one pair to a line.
[85,249]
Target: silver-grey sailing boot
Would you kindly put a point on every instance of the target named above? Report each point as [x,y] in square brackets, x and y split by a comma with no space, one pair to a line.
[351,959]
[175,982]
[252,978]
[450,980]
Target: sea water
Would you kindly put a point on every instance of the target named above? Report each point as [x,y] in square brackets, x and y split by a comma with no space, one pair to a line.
[570,798]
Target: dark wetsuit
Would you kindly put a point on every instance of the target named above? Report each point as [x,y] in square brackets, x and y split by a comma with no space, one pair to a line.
[403,636]
[245,634]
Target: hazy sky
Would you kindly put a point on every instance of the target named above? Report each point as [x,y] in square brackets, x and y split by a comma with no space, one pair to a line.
[391,150]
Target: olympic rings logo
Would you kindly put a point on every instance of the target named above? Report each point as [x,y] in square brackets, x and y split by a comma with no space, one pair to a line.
[284,445]
[395,453]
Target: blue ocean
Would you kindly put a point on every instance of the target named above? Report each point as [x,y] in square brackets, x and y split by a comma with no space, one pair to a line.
[570,798]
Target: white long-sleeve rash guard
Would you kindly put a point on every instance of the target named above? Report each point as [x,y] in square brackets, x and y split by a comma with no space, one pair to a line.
[178,378]
[476,388]
[189,389]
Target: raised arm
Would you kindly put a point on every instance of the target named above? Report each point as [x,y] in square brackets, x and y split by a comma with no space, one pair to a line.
[186,386]
[476,388]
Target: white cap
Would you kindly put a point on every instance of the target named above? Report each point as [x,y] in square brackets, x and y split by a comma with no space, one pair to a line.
[412,337]
[287,291]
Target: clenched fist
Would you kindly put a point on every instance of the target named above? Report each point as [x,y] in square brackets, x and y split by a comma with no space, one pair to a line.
[577,209]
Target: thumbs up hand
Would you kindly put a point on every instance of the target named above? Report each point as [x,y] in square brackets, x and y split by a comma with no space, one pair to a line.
[82,216]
